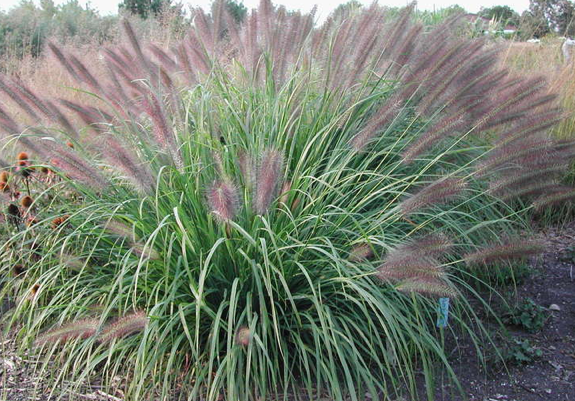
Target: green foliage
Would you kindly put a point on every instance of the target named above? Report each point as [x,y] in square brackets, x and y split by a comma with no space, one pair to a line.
[145,8]
[520,351]
[527,315]
[503,14]
[25,28]
[545,16]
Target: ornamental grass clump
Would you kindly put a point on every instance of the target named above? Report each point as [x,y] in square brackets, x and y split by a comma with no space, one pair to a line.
[281,204]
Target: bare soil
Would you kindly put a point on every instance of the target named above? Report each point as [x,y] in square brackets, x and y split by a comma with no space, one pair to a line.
[550,377]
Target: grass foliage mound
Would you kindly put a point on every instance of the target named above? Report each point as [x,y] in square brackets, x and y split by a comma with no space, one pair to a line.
[269,210]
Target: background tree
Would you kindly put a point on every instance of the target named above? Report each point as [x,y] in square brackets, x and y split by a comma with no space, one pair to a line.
[503,14]
[558,14]
[144,8]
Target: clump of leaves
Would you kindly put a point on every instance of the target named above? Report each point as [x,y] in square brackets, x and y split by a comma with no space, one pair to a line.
[520,351]
[527,315]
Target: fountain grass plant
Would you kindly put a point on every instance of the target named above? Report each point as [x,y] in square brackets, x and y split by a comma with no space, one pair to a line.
[270,211]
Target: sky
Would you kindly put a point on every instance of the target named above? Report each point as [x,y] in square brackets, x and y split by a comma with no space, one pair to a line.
[324,6]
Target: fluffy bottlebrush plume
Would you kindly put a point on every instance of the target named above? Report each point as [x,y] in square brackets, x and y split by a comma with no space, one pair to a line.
[439,192]
[530,151]
[164,135]
[125,326]
[223,199]
[267,180]
[380,121]
[243,336]
[83,328]
[144,63]
[448,126]
[63,60]
[360,253]
[137,172]
[143,251]
[427,286]
[512,184]
[511,249]
[120,229]
[529,189]
[75,166]
[247,169]
[559,195]
[17,98]
[415,265]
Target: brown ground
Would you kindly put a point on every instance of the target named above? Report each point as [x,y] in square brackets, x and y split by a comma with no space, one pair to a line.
[550,377]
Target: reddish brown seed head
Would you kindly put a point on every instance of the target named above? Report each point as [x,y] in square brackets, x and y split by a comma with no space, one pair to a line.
[4,187]
[58,221]
[4,176]
[22,156]
[13,210]
[70,145]
[18,270]
[26,201]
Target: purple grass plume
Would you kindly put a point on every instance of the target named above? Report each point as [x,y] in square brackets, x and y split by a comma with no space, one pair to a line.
[360,253]
[511,249]
[223,199]
[416,265]
[125,326]
[427,286]
[268,179]
[83,329]
[243,336]
[559,196]
[436,193]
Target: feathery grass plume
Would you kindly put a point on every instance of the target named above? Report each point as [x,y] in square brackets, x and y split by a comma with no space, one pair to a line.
[243,336]
[529,189]
[559,196]
[530,151]
[164,135]
[223,199]
[436,193]
[144,63]
[125,326]
[435,245]
[136,171]
[83,328]
[427,286]
[63,61]
[360,253]
[509,184]
[17,98]
[380,120]
[120,229]
[447,126]
[518,248]
[143,251]
[74,165]
[268,179]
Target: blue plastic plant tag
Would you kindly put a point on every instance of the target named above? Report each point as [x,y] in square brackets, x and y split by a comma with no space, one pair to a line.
[443,312]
